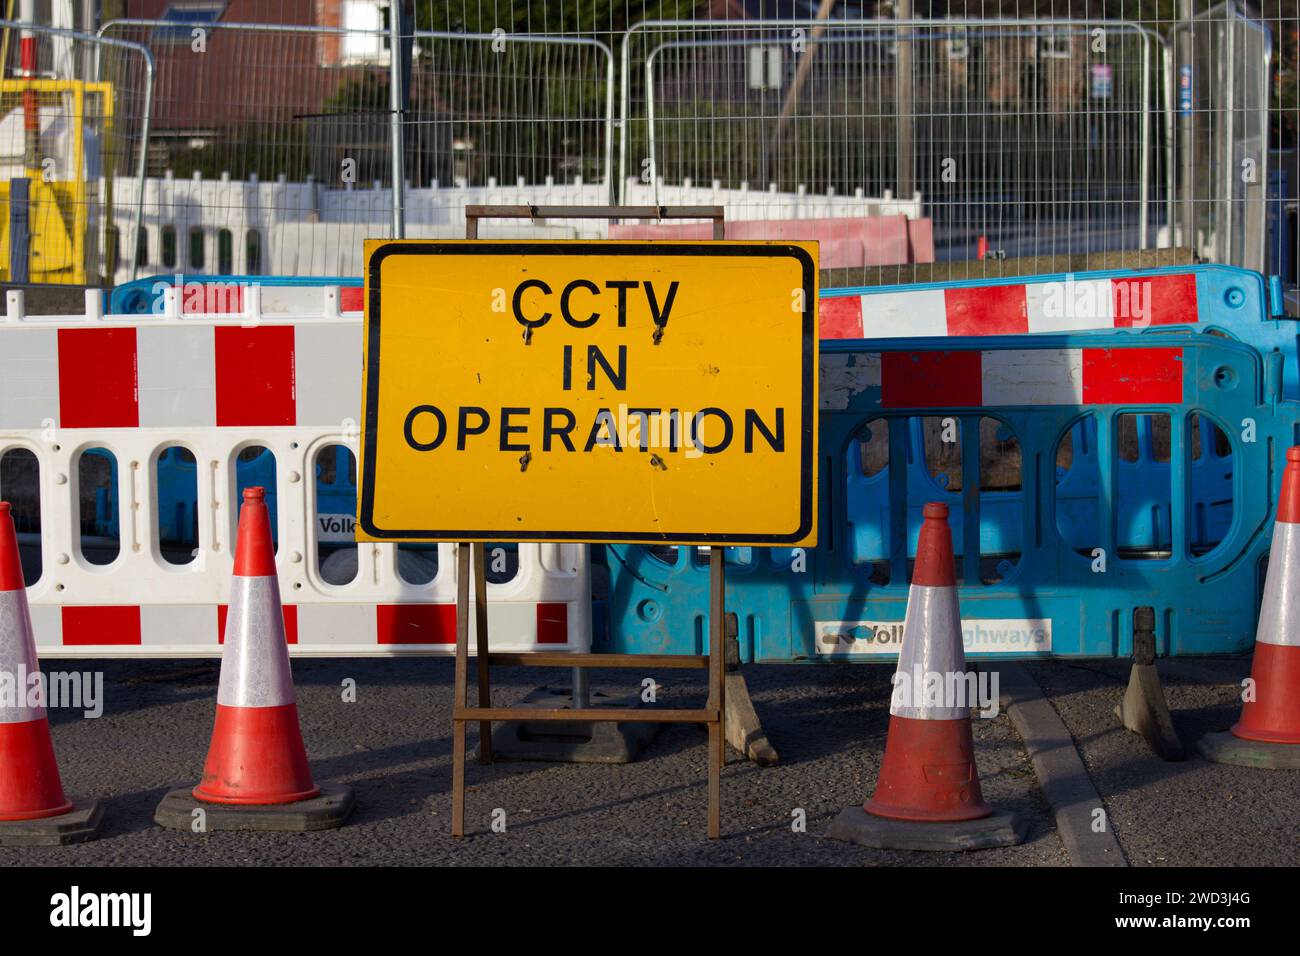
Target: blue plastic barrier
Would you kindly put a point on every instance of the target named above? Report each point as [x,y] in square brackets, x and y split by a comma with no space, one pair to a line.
[1227,301]
[1143,504]
[144,296]
[1039,593]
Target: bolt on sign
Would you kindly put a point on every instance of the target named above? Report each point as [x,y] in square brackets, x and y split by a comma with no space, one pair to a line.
[590,391]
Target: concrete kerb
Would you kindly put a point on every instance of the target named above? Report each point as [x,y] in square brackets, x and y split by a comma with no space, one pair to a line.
[1060,771]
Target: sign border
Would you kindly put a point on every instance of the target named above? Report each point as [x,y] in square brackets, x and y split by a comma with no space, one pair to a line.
[365,516]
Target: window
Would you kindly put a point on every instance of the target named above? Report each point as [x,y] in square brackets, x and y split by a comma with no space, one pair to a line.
[255,467]
[663,553]
[370,43]
[1002,505]
[176,481]
[1211,501]
[418,563]
[97,488]
[1143,487]
[766,67]
[867,498]
[1078,487]
[958,44]
[113,239]
[933,461]
[1055,46]
[196,247]
[502,562]
[253,253]
[169,247]
[336,507]
[225,252]
[190,15]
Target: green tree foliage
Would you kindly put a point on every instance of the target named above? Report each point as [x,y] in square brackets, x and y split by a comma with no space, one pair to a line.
[585,17]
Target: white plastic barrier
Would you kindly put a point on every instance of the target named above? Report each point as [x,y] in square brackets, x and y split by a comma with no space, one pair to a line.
[216,385]
[310,229]
[338,248]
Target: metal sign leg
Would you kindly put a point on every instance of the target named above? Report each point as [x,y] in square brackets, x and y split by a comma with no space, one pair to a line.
[481,623]
[458,694]
[717,665]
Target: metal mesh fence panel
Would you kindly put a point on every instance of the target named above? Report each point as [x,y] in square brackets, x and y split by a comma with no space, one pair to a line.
[1040,137]
[1015,136]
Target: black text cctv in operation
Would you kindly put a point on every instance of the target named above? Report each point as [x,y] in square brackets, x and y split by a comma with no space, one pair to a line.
[556,428]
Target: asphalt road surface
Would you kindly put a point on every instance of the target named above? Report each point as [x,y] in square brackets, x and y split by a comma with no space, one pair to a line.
[393,746]
[1193,813]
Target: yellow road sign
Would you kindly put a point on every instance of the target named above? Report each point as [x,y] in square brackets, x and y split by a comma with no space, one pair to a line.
[590,391]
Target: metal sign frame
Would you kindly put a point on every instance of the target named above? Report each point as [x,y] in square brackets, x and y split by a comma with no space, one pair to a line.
[713,714]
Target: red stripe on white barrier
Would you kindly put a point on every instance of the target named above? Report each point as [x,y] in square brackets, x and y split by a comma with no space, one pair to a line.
[308,626]
[98,378]
[352,299]
[840,317]
[416,623]
[212,298]
[1016,377]
[552,623]
[930,379]
[1159,300]
[986,310]
[229,298]
[255,378]
[107,624]
[181,376]
[1070,305]
[1116,376]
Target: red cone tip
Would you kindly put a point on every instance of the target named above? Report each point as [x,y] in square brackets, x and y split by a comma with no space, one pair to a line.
[1288,504]
[254,554]
[11,567]
[934,565]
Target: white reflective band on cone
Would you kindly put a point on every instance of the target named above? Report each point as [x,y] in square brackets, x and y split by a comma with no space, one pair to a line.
[255,662]
[17,659]
[934,608]
[1279,615]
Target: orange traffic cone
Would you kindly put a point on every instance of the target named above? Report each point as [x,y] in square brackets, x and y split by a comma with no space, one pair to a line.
[928,794]
[33,808]
[256,759]
[1268,732]
[928,772]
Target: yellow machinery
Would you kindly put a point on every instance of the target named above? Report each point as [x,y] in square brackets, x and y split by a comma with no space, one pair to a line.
[62,198]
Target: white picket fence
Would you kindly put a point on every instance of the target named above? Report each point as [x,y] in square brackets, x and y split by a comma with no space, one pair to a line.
[246,227]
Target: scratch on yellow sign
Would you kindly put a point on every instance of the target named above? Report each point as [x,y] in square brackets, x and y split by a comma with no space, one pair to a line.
[590,391]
